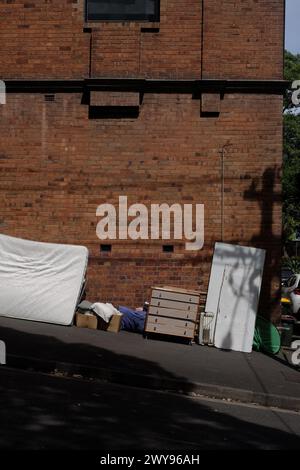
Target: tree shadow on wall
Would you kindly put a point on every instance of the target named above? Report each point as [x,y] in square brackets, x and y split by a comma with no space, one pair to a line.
[247,266]
[266,239]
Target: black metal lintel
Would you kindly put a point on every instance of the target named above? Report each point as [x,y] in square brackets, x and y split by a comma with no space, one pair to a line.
[147,86]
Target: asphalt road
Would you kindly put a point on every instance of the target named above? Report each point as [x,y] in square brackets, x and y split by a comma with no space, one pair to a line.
[42,412]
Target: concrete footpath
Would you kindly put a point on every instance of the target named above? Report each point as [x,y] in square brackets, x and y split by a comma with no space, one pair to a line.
[128,358]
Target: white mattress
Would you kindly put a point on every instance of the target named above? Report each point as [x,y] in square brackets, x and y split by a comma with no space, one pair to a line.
[40,281]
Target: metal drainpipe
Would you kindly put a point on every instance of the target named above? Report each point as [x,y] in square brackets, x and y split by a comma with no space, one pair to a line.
[223,153]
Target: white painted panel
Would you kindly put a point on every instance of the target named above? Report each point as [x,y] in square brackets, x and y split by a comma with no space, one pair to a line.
[233,294]
[237,309]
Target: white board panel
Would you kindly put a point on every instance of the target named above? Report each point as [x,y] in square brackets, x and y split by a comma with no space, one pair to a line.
[40,281]
[233,294]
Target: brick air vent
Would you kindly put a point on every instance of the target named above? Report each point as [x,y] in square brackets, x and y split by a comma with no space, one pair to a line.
[49,98]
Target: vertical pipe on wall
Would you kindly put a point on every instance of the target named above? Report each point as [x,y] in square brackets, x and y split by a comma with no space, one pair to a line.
[222,193]
[223,153]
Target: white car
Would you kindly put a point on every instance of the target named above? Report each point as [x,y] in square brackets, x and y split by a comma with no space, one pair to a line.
[291,290]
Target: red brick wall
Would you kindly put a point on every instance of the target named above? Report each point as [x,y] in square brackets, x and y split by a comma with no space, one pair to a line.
[121,49]
[243,39]
[43,39]
[57,166]
[240,39]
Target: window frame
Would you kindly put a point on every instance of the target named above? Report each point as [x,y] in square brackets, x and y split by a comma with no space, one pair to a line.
[155,18]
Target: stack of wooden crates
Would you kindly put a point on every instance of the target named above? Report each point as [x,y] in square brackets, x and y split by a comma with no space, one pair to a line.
[174,311]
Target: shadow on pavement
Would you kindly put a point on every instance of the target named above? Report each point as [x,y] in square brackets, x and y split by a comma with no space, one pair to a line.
[46,412]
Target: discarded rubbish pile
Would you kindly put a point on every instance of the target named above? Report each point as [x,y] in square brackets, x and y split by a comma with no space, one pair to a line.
[109,318]
[226,319]
[102,316]
[45,282]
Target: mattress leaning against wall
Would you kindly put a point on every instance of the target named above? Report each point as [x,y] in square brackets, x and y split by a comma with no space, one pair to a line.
[40,281]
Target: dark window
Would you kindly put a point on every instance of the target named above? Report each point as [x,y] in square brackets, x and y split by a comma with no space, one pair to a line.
[122,10]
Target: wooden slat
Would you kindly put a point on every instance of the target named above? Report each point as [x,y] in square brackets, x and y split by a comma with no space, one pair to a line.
[167,330]
[172,312]
[171,322]
[188,307]
[178,289]
[177,296]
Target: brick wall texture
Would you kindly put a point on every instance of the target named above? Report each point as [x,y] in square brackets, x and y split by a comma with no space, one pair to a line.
[57,164]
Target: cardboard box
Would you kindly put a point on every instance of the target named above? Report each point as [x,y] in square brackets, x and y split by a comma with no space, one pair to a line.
[113,326]
[87,320]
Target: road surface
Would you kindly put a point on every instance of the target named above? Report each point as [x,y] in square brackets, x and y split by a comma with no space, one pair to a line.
[43,412]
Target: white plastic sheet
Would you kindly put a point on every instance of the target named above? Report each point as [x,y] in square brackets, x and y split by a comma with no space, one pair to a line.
[40,281]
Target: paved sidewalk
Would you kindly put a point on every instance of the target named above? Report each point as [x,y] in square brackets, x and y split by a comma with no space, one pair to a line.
[128,358]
